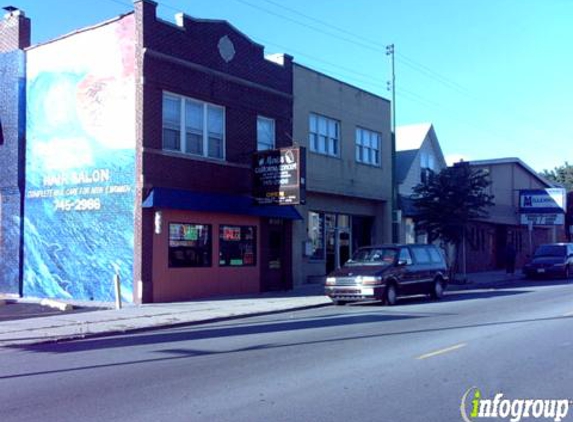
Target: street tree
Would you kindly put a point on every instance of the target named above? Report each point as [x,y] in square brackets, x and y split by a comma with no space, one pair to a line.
[447,201]
[562,175]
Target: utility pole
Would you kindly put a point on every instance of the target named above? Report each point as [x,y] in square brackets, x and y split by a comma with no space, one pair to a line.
[394,200]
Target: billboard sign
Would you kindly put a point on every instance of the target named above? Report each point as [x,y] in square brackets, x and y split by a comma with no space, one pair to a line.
[279,176]
[542,201]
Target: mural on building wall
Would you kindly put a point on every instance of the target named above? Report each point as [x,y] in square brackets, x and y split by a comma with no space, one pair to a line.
[80,164]
[12,93]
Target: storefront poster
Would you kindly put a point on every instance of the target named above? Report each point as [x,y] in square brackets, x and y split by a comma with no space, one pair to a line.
[80,165]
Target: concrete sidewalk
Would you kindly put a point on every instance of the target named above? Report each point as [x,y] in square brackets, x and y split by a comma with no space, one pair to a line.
[66,326]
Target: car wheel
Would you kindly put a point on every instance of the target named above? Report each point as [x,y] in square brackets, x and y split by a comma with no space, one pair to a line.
[438,289]
[390,295]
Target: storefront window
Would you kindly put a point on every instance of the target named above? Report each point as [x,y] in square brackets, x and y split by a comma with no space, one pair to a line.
[343,221]
[189,245]
[316,234]
[237,246]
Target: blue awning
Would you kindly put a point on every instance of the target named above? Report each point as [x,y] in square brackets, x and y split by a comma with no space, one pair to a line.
[179,199]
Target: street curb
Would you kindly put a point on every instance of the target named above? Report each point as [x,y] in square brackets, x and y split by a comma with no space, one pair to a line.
[477,286]
[500,283]
[81,336]
[62,306]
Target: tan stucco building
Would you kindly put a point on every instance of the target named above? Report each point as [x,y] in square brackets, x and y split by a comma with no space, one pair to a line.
[488,238]
[346,132]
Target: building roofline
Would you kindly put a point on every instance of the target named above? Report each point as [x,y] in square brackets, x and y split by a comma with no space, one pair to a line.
[79,31]
[511,160]
[407,150]
[217,21]
[295,64]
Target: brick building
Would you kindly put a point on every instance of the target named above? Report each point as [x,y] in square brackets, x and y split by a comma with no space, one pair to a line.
[489,237]
[14,37]
[247,97]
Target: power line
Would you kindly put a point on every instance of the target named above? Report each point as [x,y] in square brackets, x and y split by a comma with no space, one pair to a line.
[326,24]
[375,46]
[372,45]
[314,28]
[364,43]
[130,5]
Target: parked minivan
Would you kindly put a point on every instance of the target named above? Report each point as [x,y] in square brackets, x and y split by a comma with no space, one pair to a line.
[551,260]
[386,272]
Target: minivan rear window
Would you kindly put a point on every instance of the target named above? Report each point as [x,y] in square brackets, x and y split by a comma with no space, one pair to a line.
[421,254]
[550,250]
[436,256]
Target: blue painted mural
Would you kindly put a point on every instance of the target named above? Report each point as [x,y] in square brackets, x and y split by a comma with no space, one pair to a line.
[12,114]
[80,165]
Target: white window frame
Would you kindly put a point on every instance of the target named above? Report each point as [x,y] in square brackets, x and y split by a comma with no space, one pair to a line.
[183,129]
[273,125]
[366,152]
[323,143]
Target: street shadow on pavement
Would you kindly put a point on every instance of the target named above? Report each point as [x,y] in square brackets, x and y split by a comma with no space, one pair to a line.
[195,333]
[187,353]
[450,296]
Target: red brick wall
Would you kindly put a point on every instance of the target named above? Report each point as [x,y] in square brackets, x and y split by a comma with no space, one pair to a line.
[14,32]
[186,61]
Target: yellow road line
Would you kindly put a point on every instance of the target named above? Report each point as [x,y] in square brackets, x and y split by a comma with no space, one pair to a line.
[442,351]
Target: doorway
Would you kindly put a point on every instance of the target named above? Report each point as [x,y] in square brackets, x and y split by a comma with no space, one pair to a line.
[338,240]
[274,255]
[500,246]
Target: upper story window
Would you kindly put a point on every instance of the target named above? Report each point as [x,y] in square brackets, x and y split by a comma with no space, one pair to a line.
[427,166]
[265,133]
[193,127]
[324,135]
[367,146]
[427,161]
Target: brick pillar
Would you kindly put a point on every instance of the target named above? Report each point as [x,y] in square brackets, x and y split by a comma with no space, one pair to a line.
[15,30]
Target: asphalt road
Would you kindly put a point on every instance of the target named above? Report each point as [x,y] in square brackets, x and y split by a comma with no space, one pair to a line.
[411,362]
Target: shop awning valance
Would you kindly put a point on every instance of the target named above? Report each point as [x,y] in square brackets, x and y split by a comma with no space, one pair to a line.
[180,199]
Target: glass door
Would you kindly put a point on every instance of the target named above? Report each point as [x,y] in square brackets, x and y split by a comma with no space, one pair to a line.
[331,242]
[344,240]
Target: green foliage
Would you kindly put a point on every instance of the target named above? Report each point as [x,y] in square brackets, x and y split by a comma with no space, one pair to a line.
[449,200]
[562,175]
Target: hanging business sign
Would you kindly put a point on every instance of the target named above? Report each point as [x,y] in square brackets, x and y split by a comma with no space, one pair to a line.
[279,176]
[542,207]
[542,201]
[543,219]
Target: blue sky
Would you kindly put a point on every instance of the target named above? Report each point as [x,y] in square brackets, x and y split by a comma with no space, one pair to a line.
[495,77]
